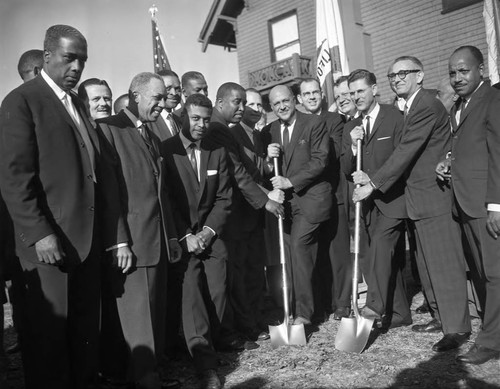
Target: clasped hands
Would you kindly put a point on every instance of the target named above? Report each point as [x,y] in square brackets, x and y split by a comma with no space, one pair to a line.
[198,243]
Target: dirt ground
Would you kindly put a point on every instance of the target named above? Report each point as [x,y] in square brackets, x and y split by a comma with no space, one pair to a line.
[397,359]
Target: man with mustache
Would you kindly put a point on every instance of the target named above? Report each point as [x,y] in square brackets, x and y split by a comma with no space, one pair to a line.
[301,143]
[98,99]
[139,287]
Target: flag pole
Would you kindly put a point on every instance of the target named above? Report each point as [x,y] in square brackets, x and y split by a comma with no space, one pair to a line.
[160,58]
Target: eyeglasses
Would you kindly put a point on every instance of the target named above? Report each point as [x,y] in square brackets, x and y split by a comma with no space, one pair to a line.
[401,74]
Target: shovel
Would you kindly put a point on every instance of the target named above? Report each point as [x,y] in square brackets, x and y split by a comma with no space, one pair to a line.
[285,333]
[354,332]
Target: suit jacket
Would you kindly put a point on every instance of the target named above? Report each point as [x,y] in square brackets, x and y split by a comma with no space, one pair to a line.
[335,127]
[425,141]
[160,128]
[46,177]
[143,195]
[305,164]
[385,135]
[198,204]
[243,176]
[244,218]
[475,148]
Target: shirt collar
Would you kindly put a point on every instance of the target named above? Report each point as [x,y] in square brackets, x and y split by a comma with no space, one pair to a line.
[186,142]
[374,112]
[164,113]
[409,102]
[56,88]
[466,100]
[290,124]
[137,123]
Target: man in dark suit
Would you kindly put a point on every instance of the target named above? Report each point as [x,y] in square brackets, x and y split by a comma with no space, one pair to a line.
[97,97]
[30,64]
[441,264]
[380,127]
[62,200]
[200,190]
[334,255]
[168,124]
[473,168]
[141,292]
[245,235]
[302,144]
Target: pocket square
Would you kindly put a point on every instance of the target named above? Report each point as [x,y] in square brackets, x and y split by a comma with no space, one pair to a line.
[211,172]
[302,142]
[385,137]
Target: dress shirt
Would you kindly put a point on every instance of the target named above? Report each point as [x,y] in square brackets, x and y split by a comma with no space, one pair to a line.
[373,114]
[169,121]
[291,125]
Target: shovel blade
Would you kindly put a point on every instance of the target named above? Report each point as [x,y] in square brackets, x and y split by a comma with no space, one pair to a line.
[284,335]
[353,334]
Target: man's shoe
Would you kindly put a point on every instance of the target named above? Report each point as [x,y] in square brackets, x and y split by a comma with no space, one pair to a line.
[210,380]
[369,313]
[450,342]
[302,320]
[170,384]
[341,312]
[424,308]
[478,355]
[433,326]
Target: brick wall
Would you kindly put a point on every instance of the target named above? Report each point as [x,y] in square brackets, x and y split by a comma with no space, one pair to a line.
[252,35]
[418,28]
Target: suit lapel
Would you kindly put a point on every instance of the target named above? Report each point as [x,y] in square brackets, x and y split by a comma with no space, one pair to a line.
[83,115]
[205,154]
[376,125]
[298,129]
[183,163]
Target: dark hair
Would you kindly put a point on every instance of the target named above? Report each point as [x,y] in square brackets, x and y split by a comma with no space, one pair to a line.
[410,58]
[29,60]
[198,100]
[167,73]
[340,80]
[226,88]
[82,89]
[362,74]
[191,75]
[476,53]
[308,79]
[55,33]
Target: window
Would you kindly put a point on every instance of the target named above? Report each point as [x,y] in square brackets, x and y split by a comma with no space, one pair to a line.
[284,33]
[452,5]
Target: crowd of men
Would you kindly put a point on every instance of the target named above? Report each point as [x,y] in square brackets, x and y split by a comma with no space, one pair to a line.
[118,230]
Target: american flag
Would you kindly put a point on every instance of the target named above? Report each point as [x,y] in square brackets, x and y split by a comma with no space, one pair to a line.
[160,58]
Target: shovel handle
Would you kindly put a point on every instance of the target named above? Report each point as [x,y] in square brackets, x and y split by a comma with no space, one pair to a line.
[282,254]
[357,229]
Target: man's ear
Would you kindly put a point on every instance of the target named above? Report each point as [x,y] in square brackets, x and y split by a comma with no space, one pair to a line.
[420,77]
[481,69]
[299,98]
[374,89]
[36,70]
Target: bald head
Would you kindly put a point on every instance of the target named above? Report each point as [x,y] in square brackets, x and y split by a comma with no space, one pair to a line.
[446,94]
[282,103]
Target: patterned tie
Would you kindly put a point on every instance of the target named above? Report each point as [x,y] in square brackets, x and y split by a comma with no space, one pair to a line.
[68,104]
[192,159]
[173,124]
[405,112]
[286,137]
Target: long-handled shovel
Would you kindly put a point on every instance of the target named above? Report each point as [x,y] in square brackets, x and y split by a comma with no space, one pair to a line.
[354,332]
[285,333]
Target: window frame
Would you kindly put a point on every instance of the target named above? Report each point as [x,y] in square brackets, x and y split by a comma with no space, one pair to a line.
[453,5]
[270,33]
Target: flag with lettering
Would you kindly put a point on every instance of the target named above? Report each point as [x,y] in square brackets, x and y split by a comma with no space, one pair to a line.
[492,25]
[160,58]
[331,54]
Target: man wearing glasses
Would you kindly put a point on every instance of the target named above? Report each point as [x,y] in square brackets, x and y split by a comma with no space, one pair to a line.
[441,265]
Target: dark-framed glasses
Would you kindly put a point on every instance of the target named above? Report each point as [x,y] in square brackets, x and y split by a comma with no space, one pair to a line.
[401,74]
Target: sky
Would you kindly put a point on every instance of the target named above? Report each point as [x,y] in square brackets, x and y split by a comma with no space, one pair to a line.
[119,38]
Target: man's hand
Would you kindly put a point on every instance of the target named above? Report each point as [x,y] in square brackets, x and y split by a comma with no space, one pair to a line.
[194,244]
[123,257]
[360,177]
[206,235]
[362,193]
[443,170]
[175,250]
[49,250]
[357,133]
[275,208]
[276,195]
[280,182]
[274,150]
[493,224]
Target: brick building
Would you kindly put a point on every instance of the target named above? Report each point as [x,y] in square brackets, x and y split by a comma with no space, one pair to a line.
[276,40]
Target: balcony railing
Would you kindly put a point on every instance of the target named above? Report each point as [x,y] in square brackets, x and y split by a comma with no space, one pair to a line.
[282,72]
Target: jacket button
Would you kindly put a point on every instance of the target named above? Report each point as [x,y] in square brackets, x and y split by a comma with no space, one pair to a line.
[91,208]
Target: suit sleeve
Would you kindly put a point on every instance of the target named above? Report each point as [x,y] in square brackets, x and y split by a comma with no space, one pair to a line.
[246,184]
[111,189]
[336,131]
[218,215]
[493,143]
[347,159]
[414,139]
[319,143]
[19,180]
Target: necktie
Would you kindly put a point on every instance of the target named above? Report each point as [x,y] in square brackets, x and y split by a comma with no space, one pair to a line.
[405,112]
[192,159]
[286,137]
[173,125]
[367,126]
[81,129]
[460,110]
